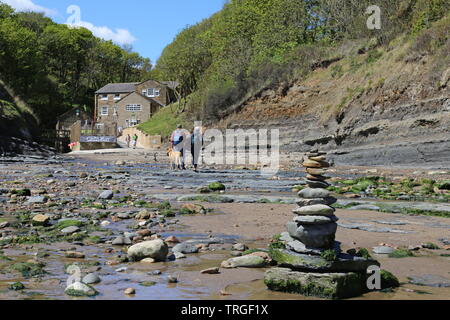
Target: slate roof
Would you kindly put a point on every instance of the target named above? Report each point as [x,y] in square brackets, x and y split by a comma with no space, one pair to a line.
[118,88]
[145,97]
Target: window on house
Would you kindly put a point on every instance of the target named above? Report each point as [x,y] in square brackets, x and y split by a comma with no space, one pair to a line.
[156,93]
[151,92]
[117,96]
[104,97]
[133,122]
[133,107]
[104,111]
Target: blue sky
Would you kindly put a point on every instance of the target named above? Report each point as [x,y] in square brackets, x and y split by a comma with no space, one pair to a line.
[148,25]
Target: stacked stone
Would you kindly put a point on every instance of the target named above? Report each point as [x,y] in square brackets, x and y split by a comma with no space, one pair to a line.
[314,227]
[307,263]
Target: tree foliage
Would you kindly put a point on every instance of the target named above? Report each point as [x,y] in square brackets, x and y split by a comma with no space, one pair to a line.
[250,44]
[54,67]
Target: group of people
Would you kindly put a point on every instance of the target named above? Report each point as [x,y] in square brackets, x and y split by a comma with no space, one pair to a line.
[184,141]
[132,140]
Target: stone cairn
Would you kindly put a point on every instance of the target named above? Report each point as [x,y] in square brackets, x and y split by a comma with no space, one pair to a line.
[311,262]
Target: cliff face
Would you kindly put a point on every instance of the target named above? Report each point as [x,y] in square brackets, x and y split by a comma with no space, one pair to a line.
[392,111]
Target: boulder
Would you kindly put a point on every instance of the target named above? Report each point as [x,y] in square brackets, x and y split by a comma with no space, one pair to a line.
[156,249]
[79,289]
[324,285]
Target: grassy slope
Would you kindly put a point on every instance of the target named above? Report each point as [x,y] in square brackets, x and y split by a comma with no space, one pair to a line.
[163,122]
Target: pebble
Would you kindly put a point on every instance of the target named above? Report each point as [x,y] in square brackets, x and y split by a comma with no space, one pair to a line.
[74,255]
[122,269]
[383,250]
[210,271]
[130,291]
[70,230]
[172,279]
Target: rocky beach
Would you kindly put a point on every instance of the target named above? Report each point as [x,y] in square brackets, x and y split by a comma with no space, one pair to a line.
[121,225]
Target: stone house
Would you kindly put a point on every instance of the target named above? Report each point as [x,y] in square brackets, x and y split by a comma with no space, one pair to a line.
[66,120]
[129,104]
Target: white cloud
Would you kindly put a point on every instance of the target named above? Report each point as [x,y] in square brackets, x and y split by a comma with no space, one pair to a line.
[28,5]
[119,36]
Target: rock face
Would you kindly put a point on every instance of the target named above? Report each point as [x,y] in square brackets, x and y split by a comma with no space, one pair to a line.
[312,261]
[156,249]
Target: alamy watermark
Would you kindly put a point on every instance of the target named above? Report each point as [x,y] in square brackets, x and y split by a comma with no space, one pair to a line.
[257,147]
[374,20]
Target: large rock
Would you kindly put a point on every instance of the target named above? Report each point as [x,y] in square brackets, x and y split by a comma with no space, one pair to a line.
[313,263]
[79,289]
[248,261]
[315,210]
[324,285]
[315,236]
[310,193]
[156,249]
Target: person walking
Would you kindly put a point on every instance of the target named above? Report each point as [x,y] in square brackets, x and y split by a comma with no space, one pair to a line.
[178,142]
[128,140]
[196,146]
[135,139]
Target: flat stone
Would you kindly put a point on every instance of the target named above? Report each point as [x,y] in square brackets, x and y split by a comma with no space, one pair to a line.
[179,255]
[37,199]
[317,184]
[309,202]
[323,285]
[130,291]
[315,236]
[106,195]
[310,193]
[314,171]
[430,280]
[318,178]
[315,210]
[383,250]
[314,263]
[244,262]
[74,255]
[70,230]
[210,271]
[315,219]
[315,164]
[369,207]
[186,248]
[300,247]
